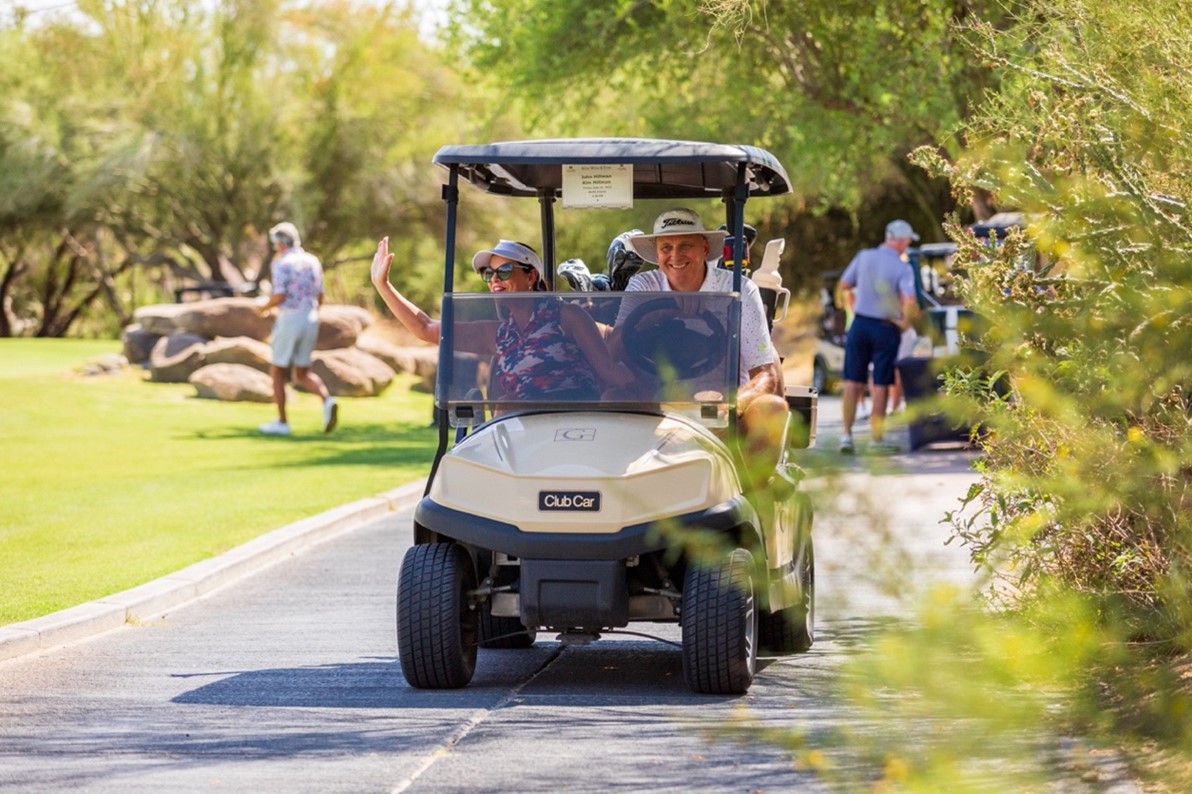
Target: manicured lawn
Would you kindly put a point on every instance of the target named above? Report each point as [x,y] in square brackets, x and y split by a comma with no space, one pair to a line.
[109,481]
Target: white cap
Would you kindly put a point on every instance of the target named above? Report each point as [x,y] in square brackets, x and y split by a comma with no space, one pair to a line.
[513,251]
[285,232]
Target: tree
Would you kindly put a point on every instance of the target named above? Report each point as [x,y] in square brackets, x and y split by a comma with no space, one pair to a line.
[152,138]
[840,91]
[65,157]
[1087,470]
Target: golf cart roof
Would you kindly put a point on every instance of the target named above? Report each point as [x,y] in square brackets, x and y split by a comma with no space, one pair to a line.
[662,169]
[937,249]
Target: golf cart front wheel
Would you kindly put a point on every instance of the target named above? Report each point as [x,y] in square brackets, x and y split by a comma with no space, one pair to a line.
[792,630]
[437,629]
[719,623]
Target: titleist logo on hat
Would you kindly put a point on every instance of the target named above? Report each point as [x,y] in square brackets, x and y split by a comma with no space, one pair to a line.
[678,220]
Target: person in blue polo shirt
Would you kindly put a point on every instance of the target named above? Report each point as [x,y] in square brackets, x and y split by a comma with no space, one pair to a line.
[884,305]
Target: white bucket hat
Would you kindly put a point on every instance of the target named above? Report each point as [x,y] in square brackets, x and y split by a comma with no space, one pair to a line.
[676,223]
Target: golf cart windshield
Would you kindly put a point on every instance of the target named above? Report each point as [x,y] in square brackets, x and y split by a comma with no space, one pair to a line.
[677,353]
[520,352]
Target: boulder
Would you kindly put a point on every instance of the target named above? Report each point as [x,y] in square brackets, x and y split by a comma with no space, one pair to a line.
[340,326]
[238,350]
[137,343]
[104,364]
[209,318]
[159,319]
[225,317]
[350,372]
[175,357]
[232,382]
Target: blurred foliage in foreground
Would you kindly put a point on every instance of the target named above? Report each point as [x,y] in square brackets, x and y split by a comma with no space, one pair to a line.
[1087,462]
[1081,515]
[1080,519]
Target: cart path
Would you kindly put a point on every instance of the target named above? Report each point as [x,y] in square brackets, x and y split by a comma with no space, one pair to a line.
[287,680]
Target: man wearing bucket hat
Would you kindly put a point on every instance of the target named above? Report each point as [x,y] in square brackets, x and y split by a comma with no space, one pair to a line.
[884,305]
[685,252]
[298,290]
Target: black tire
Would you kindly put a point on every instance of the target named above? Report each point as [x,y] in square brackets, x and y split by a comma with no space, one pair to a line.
[504,632]
[819,376]
[437,630]
[719,623]
[792,630]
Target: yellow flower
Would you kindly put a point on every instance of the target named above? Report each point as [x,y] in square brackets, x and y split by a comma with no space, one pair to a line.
[897,770]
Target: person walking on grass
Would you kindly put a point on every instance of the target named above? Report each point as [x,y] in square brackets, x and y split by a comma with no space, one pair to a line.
[885,305]
[298,291]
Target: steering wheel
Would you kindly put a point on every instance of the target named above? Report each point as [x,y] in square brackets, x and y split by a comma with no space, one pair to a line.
[658,338]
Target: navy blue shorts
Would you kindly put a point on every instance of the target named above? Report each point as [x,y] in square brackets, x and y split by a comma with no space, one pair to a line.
[871,341]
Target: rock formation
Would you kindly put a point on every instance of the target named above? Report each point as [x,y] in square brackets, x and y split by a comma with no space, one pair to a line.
[220,345]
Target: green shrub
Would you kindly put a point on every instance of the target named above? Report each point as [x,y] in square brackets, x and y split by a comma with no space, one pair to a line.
[1086,472]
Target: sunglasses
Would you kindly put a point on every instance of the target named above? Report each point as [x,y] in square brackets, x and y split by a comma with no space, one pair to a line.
[503,272]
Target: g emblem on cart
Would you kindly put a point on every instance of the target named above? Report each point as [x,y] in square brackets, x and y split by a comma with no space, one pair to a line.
[586,501]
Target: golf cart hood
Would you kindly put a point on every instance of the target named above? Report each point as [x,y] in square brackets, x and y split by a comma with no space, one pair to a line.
[589,472]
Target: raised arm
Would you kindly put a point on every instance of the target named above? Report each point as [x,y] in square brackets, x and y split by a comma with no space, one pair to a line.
[413,318]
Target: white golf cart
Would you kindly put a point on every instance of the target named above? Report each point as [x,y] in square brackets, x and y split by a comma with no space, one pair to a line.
[579,514]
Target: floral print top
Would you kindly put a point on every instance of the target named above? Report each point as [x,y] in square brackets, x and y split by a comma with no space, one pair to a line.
[299,276]
[542,359]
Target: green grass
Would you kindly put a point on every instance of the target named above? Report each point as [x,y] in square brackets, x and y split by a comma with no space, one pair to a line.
[110,481]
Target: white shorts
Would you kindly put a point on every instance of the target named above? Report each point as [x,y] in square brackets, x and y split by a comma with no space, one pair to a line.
[294,336]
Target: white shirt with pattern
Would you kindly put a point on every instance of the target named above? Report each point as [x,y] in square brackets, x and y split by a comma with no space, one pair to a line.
[298,275]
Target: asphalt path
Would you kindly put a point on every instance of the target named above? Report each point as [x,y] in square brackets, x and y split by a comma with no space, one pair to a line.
[287,680]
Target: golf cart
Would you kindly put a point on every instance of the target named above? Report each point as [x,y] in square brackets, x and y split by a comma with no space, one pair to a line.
[948,320]
[579,514]
[830,335]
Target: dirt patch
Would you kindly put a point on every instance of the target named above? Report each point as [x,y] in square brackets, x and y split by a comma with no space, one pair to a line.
[795,339]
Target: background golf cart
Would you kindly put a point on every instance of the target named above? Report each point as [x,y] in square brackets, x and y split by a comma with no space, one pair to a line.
[559,513]
[946,321]
[830,334]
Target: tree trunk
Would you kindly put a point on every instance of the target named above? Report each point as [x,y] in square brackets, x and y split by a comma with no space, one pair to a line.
[13,271]
[982,204]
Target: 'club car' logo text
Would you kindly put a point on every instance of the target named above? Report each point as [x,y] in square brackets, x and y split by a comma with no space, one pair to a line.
[569,500]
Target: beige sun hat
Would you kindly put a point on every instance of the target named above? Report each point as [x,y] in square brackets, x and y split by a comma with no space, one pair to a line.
[676,223]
